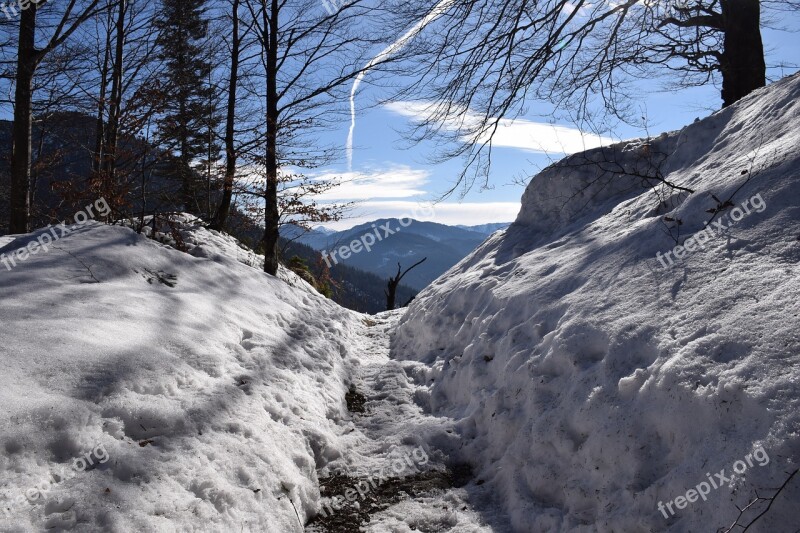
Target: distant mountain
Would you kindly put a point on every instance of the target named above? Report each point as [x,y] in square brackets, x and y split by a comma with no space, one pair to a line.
[324,230]
[487,229]
[63,141]
[392,242]
[353,288]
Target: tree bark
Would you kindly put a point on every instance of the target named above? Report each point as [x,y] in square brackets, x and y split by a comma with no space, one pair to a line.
[742,65]
[27,59]
[230,149]
[100,135]
[394,283]
[187,189]
[209,147]
[187,186]
[271,213]
[115,109]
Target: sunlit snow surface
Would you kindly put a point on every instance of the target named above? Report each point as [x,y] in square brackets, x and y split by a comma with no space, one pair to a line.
[583,381]
[192,392]
[589,382]
[216,390]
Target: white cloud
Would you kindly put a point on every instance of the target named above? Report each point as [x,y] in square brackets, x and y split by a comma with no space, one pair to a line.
[521,134]
[437,11]
[450,213]
[399,191]
[398,181]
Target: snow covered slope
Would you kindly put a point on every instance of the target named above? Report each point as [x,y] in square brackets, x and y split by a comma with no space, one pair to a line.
[146,389]
[594,379]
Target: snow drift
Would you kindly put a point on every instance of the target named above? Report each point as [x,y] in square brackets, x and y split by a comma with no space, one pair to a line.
[146,389]
[594,379]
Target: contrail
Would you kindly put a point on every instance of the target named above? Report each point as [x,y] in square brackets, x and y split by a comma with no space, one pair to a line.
[437,11]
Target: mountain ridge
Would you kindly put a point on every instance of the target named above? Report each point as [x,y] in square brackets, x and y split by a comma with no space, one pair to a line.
[404,241]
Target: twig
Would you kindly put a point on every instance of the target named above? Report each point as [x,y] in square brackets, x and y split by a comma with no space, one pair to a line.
[78,259]
[757,499]
[289,497]
[751,173]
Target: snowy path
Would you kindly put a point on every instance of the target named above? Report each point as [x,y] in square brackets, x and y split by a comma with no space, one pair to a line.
[393,466]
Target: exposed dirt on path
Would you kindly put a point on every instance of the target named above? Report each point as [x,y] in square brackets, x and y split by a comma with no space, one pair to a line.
[391,478]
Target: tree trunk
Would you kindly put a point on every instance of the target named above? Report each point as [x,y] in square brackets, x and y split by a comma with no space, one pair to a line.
[23,117]
[100,136]
[43,133]
[391,286]
[115,109]
[391,295]
[743,66]
[187,189]
[230,149]
[210,146]
[271,212]
[187,185]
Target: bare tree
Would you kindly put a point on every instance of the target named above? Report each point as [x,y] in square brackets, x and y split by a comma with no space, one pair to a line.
[394,282]
[230,123]
[480,62]
[29,56]
[112,135]
[118,84]
[309,56]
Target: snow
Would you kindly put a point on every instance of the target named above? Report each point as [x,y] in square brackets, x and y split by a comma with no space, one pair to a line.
[587,382]
[561,378]
[393,427]
[152,389]
[216,399]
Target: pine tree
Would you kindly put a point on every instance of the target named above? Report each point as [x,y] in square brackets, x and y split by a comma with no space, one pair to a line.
[184,125]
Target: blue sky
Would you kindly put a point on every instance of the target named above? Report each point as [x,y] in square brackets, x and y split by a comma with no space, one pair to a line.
[390,178]
[393,177]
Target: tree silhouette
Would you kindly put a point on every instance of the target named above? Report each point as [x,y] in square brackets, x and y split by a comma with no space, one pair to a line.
[391,290]
[479,62]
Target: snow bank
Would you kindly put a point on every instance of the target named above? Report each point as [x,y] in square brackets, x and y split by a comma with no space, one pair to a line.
[146,389]
[590,382]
